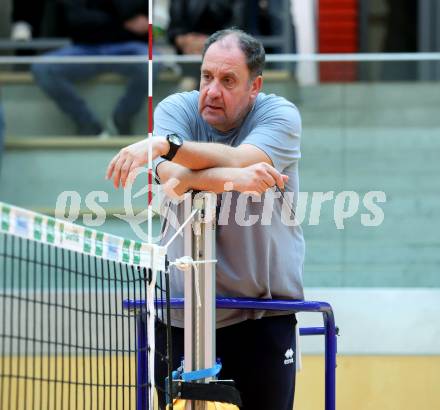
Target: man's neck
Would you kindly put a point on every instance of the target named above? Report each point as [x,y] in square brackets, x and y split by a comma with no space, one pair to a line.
[239,122]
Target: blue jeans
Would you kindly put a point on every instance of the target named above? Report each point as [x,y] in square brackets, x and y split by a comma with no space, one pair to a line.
[57,81]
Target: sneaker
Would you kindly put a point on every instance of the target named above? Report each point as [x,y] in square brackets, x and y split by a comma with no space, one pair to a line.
[21,31]
[104,135]
[111,128]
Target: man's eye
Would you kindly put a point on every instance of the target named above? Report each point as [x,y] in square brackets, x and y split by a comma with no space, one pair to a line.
[228,81]
[206,77]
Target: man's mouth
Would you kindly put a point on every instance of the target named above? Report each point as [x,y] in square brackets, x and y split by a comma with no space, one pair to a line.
[213,107]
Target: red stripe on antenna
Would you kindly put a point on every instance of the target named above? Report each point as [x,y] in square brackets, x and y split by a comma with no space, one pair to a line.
[150,42]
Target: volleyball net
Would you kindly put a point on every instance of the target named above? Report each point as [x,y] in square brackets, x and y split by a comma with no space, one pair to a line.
[66,342]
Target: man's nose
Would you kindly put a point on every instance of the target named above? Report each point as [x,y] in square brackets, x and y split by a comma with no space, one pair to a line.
[214,89]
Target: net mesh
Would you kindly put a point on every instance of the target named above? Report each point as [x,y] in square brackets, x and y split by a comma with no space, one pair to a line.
[66,341]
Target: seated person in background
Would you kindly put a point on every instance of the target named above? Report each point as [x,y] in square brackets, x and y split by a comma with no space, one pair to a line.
[191,22]
[99,28]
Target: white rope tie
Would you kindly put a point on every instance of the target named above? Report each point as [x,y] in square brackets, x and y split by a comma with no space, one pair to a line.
[185,263]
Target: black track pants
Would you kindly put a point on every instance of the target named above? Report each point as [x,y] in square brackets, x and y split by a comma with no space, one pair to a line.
[259,355]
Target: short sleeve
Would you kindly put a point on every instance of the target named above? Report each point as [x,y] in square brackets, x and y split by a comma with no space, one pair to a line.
[173,115]
[277,132]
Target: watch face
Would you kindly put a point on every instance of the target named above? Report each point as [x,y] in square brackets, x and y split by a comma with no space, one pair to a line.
[175,139]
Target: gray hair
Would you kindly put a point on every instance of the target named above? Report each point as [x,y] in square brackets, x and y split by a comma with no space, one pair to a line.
[250,46]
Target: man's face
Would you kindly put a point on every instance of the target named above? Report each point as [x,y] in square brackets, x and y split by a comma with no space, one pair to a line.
[226,92]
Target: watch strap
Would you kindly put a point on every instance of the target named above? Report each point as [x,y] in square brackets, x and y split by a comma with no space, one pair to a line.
[173,149]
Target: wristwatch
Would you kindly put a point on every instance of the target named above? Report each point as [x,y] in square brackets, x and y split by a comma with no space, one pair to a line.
[175,142]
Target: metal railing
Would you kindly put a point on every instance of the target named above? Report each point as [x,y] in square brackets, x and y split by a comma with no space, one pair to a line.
[270,58]
[34,44]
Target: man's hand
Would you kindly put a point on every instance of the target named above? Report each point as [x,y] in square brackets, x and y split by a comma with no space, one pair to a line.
[137,24]
[257,178]
[191,43]
[124,164]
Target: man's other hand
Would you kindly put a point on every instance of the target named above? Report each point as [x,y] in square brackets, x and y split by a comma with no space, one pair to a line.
[191,43]
[258,178]
[137,24]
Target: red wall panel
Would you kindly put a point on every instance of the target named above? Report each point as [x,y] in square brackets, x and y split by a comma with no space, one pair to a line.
[338,32]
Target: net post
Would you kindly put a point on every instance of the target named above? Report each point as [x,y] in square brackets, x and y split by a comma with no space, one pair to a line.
[188,286]
[200,333]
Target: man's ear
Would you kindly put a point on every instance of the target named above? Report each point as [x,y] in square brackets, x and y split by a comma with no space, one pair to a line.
[257,85]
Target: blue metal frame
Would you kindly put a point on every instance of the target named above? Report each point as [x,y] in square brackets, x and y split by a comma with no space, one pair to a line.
[142,361]
[329,331]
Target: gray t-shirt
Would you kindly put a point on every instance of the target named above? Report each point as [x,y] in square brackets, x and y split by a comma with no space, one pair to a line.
[263,259]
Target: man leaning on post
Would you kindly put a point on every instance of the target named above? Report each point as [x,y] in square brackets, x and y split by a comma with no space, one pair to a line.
[230,134]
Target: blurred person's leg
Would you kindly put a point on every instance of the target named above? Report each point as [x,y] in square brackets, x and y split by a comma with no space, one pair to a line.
[277,22]
[276,16]
[136,91]
[5,18]
[57,81]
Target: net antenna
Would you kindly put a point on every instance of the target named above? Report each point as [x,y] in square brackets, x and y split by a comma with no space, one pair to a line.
[150,120]
[151,284]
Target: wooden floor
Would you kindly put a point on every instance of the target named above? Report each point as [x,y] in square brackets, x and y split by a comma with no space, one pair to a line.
[363,383]
[80,384]
[373,383]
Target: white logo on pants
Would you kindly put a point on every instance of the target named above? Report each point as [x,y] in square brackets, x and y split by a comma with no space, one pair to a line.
[289,356]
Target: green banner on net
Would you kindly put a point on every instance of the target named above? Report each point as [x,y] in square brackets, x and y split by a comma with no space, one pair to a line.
[45,229]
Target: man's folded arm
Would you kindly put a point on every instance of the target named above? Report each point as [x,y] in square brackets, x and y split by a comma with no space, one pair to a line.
[180,179]
[203,155]
[177,179]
